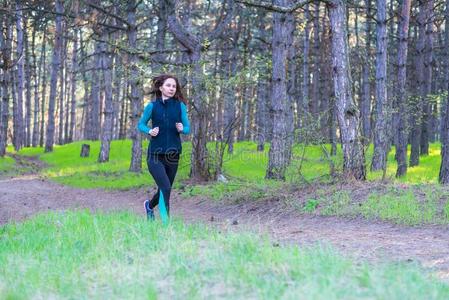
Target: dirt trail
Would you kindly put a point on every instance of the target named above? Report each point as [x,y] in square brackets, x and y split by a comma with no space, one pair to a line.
[23,196]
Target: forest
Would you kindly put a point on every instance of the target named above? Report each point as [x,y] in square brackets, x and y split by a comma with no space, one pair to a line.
[350,73]
[311,121]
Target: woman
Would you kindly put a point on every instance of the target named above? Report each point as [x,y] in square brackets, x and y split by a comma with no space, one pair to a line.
[168,113]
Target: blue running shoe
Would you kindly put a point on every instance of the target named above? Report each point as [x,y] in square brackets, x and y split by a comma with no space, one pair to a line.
[148,210]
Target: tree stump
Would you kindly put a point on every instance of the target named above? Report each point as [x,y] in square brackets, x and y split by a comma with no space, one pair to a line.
[85,150]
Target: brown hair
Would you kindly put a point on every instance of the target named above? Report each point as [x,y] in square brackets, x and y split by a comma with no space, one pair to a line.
[158,81]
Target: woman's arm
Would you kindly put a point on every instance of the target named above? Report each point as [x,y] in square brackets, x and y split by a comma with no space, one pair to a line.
[146,116]
[185,119]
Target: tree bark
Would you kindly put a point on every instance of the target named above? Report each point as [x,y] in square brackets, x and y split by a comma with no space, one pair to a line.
[427,84]
[315,99]
[279,153]
[93,120]
[366,70]
[56,60]
[303,108]
[347,112]
[18,104]
[5,46]
[106,134]
[44,86]
[401,96]
[62,86]
[136,97]
[73,83]
[37,79]
[383,111]
[417,102]
[27,69]
[443,177]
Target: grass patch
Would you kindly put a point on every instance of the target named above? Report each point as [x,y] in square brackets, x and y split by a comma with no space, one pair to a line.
[412,205]
[7,165]
[67,167]
[244,164]
[119,255]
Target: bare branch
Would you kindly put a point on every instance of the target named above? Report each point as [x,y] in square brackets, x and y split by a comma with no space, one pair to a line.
[184,37]
[107,12]
[222,24]
[277,8]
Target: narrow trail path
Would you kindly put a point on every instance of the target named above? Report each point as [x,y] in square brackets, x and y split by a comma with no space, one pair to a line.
[23,196]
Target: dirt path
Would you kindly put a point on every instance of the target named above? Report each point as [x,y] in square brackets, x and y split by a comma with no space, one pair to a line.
[23,196]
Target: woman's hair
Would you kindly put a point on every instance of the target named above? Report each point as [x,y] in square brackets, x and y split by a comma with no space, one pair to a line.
[158,81]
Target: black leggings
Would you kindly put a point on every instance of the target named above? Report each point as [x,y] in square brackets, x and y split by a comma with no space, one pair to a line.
[163,168]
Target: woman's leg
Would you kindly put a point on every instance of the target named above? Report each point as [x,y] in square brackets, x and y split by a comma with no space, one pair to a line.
[157,170]
[171,167]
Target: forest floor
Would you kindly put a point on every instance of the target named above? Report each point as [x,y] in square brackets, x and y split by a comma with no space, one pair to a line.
[27,194]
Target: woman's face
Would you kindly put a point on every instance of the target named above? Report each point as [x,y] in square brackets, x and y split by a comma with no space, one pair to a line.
[168,88]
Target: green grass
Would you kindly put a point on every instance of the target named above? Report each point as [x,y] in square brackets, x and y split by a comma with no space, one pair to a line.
[411,205]
[119,255]
[67,167]
[244,164]
[7,165]
[245,170]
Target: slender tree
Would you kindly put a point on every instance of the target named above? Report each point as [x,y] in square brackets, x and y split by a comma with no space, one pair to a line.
[18,104]
[381,142]
[136,97]
[401,95]
[106,133]
[6,66]
[444,167]
[44,86]
[346,110]
[365,107]
[56,61]
[279,152]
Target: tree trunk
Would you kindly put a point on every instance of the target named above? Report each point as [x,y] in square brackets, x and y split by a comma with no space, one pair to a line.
[136,98]
[85,123]
[124,108]
[444,168]
[401,97]
[315,99]
[44,86]
[5,46]
[383,111]
[28,87]
[229,63]
[37,79]
[62,87]
[366,70]
[427,84]
[303,107]
[93,120]
[278,155]
[117,96]
[18,107]
[56,60]
[160,35]
[417,113]
[347,112]
[73,88]
[106,134]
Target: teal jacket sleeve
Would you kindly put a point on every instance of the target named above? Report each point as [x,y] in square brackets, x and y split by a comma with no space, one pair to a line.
[145,118]
[184,119]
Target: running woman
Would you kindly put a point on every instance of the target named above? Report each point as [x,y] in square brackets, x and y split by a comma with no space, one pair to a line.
[168,112]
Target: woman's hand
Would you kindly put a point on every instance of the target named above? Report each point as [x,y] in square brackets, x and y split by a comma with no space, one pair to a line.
[180,127]
[154,131]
